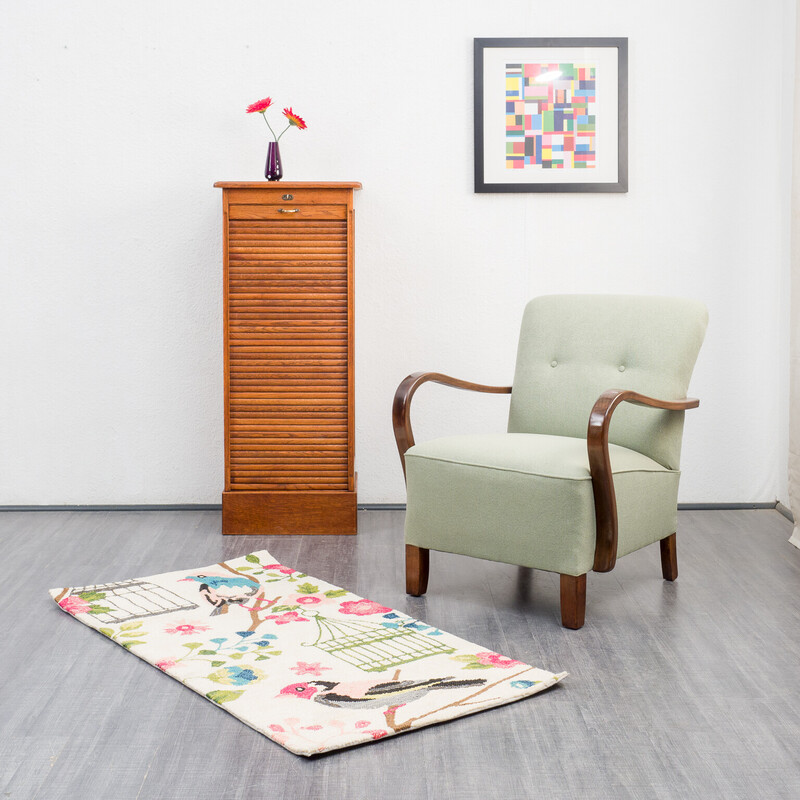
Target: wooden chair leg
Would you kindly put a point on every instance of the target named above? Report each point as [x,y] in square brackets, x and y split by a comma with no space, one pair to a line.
[417,566]
[669,558]
[573,601]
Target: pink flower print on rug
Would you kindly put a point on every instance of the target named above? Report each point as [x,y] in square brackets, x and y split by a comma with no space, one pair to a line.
[308,664]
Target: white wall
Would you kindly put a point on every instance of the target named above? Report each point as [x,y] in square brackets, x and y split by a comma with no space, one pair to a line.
[119,117]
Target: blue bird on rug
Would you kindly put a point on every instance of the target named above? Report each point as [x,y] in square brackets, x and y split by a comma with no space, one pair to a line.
[222,591]
[366,694]
[215,582]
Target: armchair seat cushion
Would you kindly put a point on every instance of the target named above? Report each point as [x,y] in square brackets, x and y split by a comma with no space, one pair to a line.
[502,497]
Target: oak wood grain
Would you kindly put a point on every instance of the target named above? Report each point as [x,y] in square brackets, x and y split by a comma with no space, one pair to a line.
[289,382]
[417,569]
[573,600]
[401,406]
[669,557]
[605,503]
[275,509]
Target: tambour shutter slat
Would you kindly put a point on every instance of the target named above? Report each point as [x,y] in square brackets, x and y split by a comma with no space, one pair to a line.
[289,411]
[283,277]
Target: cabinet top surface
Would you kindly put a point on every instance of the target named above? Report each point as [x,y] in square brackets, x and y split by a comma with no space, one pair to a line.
[287,185]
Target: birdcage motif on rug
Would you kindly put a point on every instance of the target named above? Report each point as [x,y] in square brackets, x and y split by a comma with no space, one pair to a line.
[371,647]
[125,600]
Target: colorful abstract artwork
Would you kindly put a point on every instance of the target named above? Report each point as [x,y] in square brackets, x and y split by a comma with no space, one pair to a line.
[550,119]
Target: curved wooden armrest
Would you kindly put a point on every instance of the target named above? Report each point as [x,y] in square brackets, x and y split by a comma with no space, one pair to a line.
[401,408]
[605,503]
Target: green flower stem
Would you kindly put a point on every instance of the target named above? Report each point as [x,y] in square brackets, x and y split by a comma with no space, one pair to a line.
[282,132]
[263,114]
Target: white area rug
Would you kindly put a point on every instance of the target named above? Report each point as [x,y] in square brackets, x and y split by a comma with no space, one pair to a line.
[308,664]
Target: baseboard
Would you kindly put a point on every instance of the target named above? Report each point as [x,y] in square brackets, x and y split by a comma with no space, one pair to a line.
[681,507]
[142,507]
[787,512]
[723,506]
[361,507]
[173,507]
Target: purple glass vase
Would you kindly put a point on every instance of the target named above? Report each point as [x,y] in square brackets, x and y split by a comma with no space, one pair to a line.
[273,171]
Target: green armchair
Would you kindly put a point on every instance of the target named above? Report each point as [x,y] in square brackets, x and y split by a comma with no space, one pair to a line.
[564,490]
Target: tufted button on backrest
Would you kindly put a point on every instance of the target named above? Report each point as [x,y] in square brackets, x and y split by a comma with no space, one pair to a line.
[648,344]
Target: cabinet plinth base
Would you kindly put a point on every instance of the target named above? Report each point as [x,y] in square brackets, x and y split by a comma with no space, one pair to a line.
[262,513]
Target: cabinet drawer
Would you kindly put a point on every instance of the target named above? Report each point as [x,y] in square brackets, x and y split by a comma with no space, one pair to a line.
[287,211]
[278,196]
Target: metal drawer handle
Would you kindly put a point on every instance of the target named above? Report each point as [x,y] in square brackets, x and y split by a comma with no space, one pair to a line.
[288,210]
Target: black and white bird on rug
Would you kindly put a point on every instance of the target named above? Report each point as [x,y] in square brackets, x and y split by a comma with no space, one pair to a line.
[366,694]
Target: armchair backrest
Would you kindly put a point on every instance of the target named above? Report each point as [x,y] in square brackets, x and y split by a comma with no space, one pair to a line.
[574,347]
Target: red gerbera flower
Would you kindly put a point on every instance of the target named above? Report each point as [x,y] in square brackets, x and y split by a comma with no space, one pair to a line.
[298,122]
[261,105]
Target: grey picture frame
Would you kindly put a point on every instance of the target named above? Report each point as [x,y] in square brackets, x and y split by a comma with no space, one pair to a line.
[540,183]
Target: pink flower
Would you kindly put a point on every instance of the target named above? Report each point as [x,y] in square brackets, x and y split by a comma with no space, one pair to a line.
[167,663]
[286,618]
[186,628]
[302,668]
[74,605]
[313,727]
[362,607]
[308,600]
[496,660]
[261,105]
[377,734]
[362,724]
[276,728]
[295,120]
[279,568]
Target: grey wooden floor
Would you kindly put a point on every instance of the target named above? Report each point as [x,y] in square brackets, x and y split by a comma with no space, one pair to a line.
[675,691]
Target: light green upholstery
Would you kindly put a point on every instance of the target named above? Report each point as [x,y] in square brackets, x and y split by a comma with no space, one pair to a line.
[525,497]
[574,347]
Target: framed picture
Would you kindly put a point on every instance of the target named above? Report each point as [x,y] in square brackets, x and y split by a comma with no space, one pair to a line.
[551,115]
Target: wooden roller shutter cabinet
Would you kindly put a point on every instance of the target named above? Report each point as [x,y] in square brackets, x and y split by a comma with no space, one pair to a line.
[289,413]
